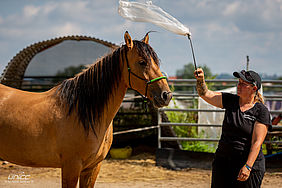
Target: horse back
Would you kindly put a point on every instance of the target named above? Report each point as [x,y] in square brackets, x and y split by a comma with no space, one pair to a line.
[27,127]
[35,131]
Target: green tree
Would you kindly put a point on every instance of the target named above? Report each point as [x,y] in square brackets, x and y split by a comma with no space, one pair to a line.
[68,72]
[187,72]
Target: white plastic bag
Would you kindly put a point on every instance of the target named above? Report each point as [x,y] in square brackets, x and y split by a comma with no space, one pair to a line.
[148,12]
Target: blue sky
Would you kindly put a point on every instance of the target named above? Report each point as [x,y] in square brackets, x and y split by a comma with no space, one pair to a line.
[223,31]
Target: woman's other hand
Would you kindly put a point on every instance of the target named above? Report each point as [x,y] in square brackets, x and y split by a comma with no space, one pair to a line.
[243,174]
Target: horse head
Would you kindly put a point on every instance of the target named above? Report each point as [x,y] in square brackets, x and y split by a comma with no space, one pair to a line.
[144,73]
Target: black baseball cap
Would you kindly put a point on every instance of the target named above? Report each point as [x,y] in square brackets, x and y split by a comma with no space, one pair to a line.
[249,76]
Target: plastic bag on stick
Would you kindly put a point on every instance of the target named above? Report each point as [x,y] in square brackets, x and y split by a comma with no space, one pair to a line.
[140,12]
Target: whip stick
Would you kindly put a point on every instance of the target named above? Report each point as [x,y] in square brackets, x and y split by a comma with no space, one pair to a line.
[193,54]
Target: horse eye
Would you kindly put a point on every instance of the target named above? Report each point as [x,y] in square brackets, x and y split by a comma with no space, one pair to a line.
[142,63]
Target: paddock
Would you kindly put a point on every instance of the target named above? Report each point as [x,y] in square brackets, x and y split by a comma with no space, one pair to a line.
[138,171]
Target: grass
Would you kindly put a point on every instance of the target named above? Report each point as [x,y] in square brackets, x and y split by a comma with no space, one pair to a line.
[190,131]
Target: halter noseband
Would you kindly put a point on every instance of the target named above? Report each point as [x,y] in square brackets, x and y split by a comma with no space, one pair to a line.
[147,81]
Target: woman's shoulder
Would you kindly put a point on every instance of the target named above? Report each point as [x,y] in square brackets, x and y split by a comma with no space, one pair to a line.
[263,114]
[229,95]
[230,100]
[261,107]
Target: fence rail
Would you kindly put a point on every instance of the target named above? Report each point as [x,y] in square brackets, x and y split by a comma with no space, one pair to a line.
[162,124]
[271,84]
[39,83]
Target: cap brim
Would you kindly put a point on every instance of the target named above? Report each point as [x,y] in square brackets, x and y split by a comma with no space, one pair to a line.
[240,75]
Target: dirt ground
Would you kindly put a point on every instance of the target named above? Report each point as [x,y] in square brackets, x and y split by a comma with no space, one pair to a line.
[136,172]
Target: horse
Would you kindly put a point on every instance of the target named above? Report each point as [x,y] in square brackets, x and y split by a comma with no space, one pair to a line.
[70,125]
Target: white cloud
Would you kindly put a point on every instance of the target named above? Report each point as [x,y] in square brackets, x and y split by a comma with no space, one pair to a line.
[219,31]
[79,10]
[48,8]
[271,15]
[254,16]
[66,29]
[222,30]
[74,6]
[232,8]
[30,11]
[10,32]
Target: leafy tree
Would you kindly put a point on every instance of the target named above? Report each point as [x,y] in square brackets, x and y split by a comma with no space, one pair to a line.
[188,72]
[68,72]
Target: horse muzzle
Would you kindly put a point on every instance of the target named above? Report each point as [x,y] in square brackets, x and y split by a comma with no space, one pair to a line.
[163,99]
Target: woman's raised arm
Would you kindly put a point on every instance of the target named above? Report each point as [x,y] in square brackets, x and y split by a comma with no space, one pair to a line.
[212,97]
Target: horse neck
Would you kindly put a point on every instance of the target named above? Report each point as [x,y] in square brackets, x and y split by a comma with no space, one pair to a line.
[117,95]
[115,100]
[95,95]
[116,92]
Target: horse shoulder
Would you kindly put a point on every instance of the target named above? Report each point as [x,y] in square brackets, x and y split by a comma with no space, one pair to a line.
[100,152]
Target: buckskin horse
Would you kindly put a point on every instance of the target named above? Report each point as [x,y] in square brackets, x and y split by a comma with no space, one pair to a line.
[70,126]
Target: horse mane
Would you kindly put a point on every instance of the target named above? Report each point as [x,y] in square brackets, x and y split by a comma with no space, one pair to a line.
[88,92]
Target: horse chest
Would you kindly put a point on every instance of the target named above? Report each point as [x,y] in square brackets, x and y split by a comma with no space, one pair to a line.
[100,153]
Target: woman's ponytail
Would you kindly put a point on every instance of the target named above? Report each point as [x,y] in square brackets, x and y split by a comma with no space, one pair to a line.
[259,98]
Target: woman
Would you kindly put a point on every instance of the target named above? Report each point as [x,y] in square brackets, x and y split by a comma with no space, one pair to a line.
[239,161]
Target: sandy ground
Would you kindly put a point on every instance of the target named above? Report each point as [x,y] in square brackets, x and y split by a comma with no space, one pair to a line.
[136,172]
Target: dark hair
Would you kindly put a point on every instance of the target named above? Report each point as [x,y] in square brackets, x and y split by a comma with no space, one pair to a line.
[89,91]
[146,51]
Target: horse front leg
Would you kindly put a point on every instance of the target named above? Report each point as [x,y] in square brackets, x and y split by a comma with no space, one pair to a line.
[88,176]
[70,173]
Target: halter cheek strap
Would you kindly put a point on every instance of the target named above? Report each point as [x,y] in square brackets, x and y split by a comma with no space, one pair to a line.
[145,99]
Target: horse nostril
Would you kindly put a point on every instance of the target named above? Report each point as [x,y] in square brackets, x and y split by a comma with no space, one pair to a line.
[165,95]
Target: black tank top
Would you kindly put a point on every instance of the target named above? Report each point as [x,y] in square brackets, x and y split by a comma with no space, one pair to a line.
[238,127]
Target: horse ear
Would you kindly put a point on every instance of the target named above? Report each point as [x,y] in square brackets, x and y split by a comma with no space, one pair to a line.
[128,40]
[146,38]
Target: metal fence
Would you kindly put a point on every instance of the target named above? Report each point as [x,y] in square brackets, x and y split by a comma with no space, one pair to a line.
[42,83]
[267,85]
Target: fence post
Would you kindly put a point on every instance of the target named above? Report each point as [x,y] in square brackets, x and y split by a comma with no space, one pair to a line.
[159,129]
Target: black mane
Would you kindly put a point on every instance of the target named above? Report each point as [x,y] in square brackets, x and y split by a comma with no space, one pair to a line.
[88,93]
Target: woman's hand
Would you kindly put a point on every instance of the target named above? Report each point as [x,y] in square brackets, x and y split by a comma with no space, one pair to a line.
[199,74]
[201,85]
[211,97]
[243,174]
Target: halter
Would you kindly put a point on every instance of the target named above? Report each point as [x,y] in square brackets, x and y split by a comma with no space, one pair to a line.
[145,99]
